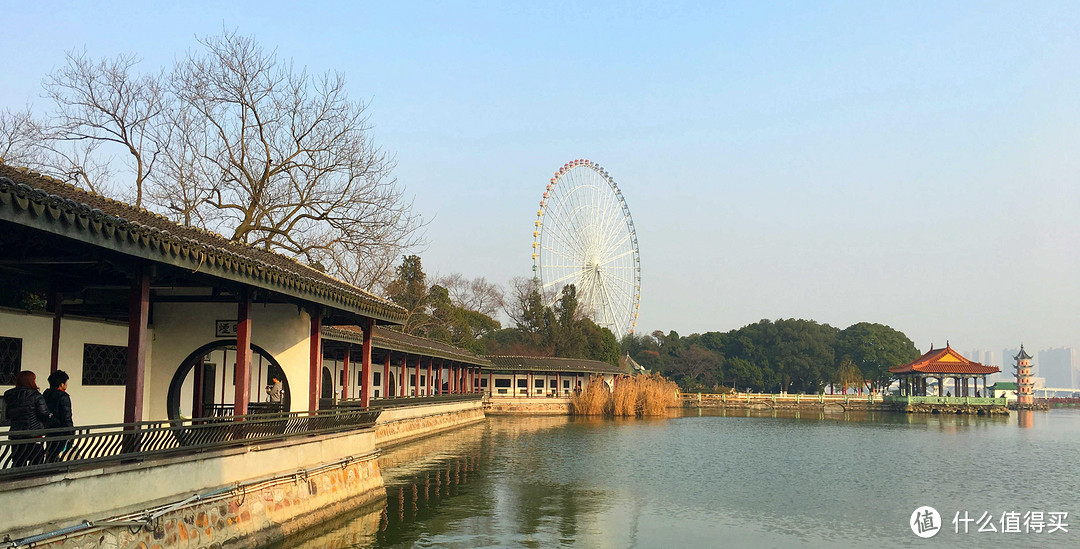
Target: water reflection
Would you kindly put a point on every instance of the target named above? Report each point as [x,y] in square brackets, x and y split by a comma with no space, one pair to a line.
[1026,418]
[767,478]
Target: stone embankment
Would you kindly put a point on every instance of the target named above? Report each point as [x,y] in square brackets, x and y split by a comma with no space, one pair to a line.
[847,403]
[554,406]
[758,401]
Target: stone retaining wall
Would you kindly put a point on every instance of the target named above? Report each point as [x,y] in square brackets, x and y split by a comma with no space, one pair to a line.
[276,498]
[396,426]
[247,519]
[529,406]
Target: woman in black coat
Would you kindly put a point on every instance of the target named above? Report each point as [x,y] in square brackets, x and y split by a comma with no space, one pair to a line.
[27,411]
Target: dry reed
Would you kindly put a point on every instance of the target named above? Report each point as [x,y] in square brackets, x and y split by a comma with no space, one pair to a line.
[635,396]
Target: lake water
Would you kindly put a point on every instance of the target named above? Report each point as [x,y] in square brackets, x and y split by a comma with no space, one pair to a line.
[711,480]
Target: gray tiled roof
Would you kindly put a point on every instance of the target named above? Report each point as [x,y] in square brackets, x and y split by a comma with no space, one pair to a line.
[385,338]
[551,364]
[41,202]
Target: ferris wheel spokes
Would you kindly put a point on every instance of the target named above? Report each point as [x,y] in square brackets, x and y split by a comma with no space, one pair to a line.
[585,236]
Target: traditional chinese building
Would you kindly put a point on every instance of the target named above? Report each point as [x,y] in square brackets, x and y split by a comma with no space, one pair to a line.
[534,376]
[1024,382]
[945,370]
[197,365]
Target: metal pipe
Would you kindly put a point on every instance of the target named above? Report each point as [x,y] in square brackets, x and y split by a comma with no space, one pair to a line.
[36,538]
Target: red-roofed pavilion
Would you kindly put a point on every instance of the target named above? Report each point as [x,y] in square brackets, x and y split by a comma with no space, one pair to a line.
[941,364]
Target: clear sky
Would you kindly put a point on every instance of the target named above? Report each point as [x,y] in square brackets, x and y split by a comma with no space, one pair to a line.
[910,163]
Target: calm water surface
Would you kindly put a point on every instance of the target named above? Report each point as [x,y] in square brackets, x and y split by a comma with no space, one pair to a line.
[720,481]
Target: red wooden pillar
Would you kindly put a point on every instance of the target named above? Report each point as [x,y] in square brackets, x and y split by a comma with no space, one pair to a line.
[138,313]
[528,384]
[386,376]
[416,377]
[403,377]
[558,385]
[365,365]
[242,372]
[438,386]
[315,366]
[430,382]
[58,313]
[345,381]
[451,376]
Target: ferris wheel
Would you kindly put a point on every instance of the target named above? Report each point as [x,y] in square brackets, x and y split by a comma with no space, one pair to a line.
[585,236]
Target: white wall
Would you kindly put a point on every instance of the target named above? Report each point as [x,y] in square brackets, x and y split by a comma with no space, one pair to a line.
[181,328]
[90,404]
[547,378]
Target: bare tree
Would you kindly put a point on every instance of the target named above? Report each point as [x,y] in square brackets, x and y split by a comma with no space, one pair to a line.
[180,186]
[20,139]
[232,140]
[289,164]
[27,142]
[100,103]
[476,295]
[517,303]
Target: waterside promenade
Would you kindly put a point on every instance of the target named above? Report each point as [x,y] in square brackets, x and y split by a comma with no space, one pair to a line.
[243,481]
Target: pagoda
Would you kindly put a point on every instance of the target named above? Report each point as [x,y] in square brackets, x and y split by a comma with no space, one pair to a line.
[1024,384]
[943,365]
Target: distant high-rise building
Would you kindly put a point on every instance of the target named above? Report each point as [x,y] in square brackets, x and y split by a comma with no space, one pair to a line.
[1008,355]
[1060,367]
[975,355]
[989,358]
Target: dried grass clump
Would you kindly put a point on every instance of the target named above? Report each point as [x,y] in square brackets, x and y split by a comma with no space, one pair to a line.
[594,399]
[636,396]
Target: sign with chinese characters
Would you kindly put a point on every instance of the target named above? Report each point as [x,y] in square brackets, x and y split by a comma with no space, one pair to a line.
[926,522]
[225,328]
[1013,522]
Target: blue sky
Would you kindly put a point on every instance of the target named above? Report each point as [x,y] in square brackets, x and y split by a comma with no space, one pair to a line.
[907,163]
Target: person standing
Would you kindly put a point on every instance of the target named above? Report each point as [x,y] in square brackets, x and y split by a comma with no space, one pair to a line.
[59,403]
[276,391]
[27,411]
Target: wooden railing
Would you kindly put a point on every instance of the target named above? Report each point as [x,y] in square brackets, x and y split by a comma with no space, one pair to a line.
[398,402]
[35,452]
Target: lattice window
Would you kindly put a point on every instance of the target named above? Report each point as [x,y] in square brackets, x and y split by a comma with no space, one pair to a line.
[10,359]
[104,365]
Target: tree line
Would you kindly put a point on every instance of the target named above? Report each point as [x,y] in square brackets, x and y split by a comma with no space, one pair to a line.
[463,312]
[791,355]
[787,355]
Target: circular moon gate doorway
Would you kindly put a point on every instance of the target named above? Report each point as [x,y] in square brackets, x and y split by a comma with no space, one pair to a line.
[204,384]
[585,236]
